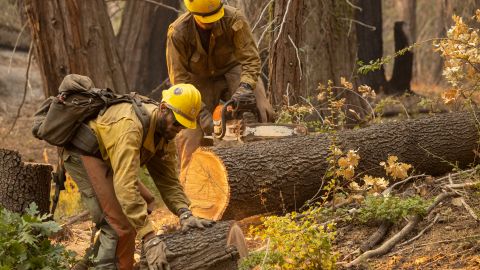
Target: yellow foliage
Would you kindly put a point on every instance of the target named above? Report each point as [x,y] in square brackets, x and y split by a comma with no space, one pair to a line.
[397,170]
[69,202]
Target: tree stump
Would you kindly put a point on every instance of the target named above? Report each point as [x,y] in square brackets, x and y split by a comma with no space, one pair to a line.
[23,183]
[216,248]
[281,175]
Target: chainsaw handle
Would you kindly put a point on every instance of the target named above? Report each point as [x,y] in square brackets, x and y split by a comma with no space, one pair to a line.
[224,124]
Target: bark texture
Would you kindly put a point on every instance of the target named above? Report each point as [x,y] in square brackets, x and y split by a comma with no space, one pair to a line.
[370,41]
[142,42]
[202,249]
[285,62]
[23,183]
[282,175]
[74,36]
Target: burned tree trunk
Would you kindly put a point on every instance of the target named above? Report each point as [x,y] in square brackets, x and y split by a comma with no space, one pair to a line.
[370,41]
[142,41]
[74,36]
[23,183]
[285,61]
[215,248]
[403,64]
[260,177]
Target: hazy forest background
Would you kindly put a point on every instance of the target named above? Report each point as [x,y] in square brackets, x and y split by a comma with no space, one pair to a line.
[319,62]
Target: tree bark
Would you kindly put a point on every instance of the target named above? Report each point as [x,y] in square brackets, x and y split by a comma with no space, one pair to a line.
[23,183]
[215,248]
[370,42]
[281,175]
[142,41]
[74,36]
[285,60]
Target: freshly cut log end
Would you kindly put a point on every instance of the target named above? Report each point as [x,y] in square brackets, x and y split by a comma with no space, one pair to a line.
[23,183]
[206,184]
[216,248]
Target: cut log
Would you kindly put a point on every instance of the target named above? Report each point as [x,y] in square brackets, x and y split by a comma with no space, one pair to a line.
[23,183]
[216,248]
[272,176]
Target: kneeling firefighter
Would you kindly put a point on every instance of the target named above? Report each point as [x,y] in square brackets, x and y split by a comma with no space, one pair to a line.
[109,183]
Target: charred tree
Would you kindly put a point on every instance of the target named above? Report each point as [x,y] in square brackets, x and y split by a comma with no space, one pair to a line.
[74,36]
[23,183]
[215,248]
[285,76]
[142,41]
[370,41]
[403,64]
[271,176]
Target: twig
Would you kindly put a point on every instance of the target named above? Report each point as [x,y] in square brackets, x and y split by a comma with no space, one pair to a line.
[163,5]
[15,47]
[421,232]
[373,28]
[469,209]
[388,190]
[353,6]
[388,245]
[266,253]
[449,240]
[366,101]
[261,15]
[463,185]
[283,22]
[25,88]
[265,31]
[309,103]
[455,174]
[298,57]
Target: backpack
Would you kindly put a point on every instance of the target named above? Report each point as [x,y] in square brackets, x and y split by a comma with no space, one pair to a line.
[62,119]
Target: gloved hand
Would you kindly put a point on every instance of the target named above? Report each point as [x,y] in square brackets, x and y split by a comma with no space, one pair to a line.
[188,220]
[243,91]
[154,254]
[205,120]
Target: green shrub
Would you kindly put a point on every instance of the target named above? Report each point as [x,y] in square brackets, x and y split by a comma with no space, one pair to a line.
[24,242]
[378,209]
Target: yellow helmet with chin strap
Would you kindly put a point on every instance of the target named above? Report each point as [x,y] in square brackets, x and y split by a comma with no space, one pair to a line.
[205,11]
[185,102]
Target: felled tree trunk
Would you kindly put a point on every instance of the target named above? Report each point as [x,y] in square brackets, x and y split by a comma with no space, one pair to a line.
[273,176]
[22,183]
[215,248]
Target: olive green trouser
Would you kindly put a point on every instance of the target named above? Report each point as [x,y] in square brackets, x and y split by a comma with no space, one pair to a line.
[212,90]
[104,257]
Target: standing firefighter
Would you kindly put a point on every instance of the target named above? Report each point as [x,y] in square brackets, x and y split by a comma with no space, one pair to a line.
[212,47]
[110,186]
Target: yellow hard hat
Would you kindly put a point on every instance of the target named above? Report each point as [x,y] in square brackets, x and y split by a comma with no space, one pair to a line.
[185,101]
[205,11]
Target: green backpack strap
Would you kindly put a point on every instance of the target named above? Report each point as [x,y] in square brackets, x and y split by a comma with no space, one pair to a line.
[141,112]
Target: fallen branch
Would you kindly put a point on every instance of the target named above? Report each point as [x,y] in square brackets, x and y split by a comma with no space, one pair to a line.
[388,245]
[420,233]
[376,237]
[469,209]
[463,185]
[77,218]
[389,190]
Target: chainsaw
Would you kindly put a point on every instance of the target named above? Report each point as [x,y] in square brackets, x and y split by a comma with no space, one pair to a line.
[239,120]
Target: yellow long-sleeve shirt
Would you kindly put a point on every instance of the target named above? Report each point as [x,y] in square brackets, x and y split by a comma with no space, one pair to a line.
[119,133]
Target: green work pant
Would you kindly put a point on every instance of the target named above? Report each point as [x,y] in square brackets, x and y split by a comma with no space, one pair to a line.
[104,256]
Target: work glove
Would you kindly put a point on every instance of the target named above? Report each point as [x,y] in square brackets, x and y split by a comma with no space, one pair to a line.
[154,255]
[188,221]
[244,91]
[264,107]
[206,121]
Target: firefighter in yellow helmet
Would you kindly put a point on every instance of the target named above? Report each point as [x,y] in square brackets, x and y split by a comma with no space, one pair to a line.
[110,185]
[212,47]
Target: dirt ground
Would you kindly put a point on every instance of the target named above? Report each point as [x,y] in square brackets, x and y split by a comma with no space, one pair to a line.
[451,243]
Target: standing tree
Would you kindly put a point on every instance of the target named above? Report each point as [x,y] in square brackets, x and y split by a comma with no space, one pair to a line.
[370,42]
[74,36]
[142,41]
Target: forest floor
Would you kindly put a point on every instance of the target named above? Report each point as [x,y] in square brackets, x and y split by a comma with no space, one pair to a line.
[452,242]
